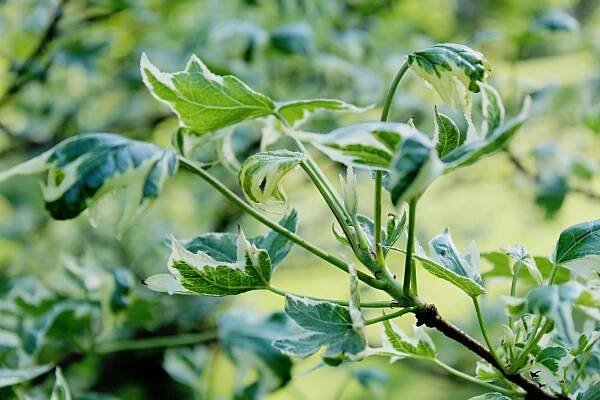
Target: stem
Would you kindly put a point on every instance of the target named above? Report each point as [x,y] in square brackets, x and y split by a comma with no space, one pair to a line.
[534,341]
[513,290]
[553,274]
[412,210]
[377,215]
[484,330]
[155,342]
[232,197]
[387,103]
[372,304]
[393,315]
[581,368]
[474,380]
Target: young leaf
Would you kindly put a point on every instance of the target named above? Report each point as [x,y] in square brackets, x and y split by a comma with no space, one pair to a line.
[414,167]
[492,143]
[460,269]
[447,135]
[402,345]
[261,174]
[325,324]
[204,102]
[223,246]
[61,390]
[394,228]
[520,257]
[201,273]
[295,112]
[578,248]
[83,168]
[454,71]
[492,109]
[9,377]
[247,339]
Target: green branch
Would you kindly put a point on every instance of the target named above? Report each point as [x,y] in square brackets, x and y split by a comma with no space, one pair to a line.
[385,317]
[482,325]
[410,245]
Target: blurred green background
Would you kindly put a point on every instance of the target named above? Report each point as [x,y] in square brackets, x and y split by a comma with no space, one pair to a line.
[72,66]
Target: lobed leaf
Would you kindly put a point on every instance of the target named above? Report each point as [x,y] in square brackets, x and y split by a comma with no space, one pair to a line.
[204,102]
[402,345]
[326,325]
[85,167]
[460,269]
[578,248]
[201,273]
[261,173]
[295,112]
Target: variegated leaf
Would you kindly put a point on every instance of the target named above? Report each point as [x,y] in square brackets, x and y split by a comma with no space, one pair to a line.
[402,345]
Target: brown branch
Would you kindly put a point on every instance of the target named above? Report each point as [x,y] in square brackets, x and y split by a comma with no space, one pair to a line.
[535,177]
[429,316]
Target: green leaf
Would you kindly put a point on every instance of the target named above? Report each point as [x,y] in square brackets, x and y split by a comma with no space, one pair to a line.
[550,191]
[547,300]
[261,174]
[247,339]
[9,377]
[550,357]
[490,144]
[490,396]
[295,112]
[223,246]
[393,230]
[578,248]
[592,393]
[447,135]
[556,21]
[486,373]
[61,390]
[204,102]
[200,273]
[453,70]
[325,324]
[414,167]
[501,266]
[492,109]
[85,167]
[186,365]
[460,269]
[402,345]
[520,257]
[295,38]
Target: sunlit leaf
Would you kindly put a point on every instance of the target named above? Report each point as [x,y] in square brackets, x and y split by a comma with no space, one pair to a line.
[83,168]
[261,173]
[419,345]
[295,112]
[578,248]
[447,135]
[204,102]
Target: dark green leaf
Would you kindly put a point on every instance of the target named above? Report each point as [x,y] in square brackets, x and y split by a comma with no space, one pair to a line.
[550,192]
[447,134]
[578,248]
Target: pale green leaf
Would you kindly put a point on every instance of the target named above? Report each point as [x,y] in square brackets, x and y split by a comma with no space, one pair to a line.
[492,109]
[9,377]
[548,300]
[204,102]
[402,345]
[520,257]
[325,324]
[460,269]
[447,135]
[295,112]
[261,173]
[501,266]
[83,168]
[578,248]
[61,390]
[215,275]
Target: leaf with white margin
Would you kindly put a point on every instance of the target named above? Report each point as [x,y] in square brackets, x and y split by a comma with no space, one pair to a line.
[495,141]
[491,396]
[460,269]
[85,167]
[261,173]
[205,275]
[364,145]
[454,71]
[492,109]
[447,135]
[61,390]
[204,102]
[402,345]
[325,324]
[519,256]
[295,112]
[9,377]
[578,248]
[414,167]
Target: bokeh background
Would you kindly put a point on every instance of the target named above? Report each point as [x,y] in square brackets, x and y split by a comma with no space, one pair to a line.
[72,66]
